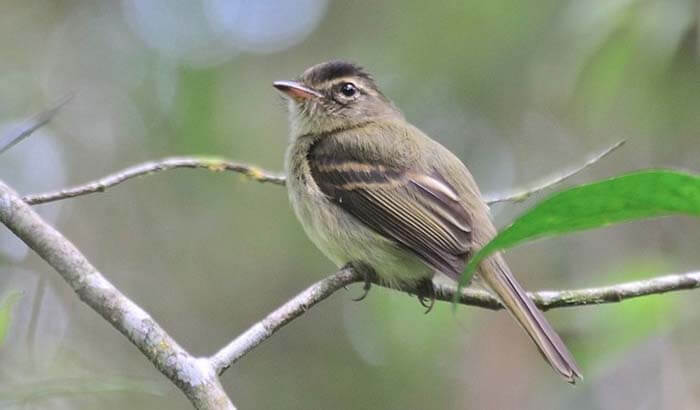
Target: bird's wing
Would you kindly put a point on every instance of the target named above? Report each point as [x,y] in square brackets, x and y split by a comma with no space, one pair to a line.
[417,209]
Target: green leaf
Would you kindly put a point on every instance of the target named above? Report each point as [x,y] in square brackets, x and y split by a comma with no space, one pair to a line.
[639,195]
[6,306]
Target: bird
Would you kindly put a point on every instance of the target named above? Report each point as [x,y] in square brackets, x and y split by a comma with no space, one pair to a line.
[375,193]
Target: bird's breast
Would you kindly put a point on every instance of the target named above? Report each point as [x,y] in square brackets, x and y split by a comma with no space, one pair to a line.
[339,235]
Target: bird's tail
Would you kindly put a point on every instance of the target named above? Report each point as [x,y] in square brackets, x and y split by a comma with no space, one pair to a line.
[495,272]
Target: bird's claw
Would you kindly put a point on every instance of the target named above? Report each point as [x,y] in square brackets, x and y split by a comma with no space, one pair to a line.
[366,287]
[368,274]
[426,294]
[427,302]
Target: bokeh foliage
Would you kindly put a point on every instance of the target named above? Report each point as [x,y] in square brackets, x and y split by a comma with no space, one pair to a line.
[516,89]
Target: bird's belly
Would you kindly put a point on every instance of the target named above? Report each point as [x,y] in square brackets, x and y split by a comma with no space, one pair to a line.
[344,239]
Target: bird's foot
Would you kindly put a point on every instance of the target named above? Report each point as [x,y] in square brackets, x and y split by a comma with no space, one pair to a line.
[365,288]
[425,291]
[368,274]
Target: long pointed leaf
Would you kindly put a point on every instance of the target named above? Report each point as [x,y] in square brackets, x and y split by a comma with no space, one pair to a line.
[639,195]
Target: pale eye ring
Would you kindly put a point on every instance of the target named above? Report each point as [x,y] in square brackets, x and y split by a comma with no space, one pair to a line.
[348,90]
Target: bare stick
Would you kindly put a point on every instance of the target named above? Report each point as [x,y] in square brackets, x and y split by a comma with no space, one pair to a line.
[545,300]
[260,175]
[523,194]
[151,167]
[31,125]
[195,377]
[294,308]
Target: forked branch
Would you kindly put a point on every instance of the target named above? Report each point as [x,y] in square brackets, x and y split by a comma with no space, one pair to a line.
[195,377]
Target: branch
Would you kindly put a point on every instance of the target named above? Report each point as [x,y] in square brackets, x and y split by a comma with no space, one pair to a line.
[545,300]
[523,194]
[195,377]
[261,175]
[291,310]
[28,127]
[151,167]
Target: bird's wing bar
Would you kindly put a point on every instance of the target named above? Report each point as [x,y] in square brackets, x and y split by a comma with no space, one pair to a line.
[421,212]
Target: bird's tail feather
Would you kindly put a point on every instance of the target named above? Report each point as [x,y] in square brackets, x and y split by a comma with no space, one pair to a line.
[495,272]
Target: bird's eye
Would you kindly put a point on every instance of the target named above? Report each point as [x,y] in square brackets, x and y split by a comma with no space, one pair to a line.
[348,89]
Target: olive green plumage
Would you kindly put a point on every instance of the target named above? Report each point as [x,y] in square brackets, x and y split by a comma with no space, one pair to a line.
[372,190]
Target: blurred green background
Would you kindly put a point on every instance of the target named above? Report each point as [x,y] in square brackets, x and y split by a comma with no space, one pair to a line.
[517,89]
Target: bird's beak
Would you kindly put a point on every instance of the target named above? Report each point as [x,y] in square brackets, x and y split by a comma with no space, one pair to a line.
[296,90]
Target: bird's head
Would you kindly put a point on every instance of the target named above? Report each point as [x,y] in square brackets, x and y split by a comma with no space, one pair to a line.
[333,96]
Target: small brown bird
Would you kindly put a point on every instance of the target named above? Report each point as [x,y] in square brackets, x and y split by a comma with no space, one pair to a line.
[374,192]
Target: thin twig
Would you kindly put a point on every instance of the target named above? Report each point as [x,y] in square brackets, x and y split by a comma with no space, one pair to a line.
[294,308]
[151,167]
[523,194]
[259,175]
[552,299]
[195,377]
[28,127]
[545,300]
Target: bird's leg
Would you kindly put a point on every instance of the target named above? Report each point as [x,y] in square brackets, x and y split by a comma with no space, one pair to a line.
[425,291]
[367,272]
